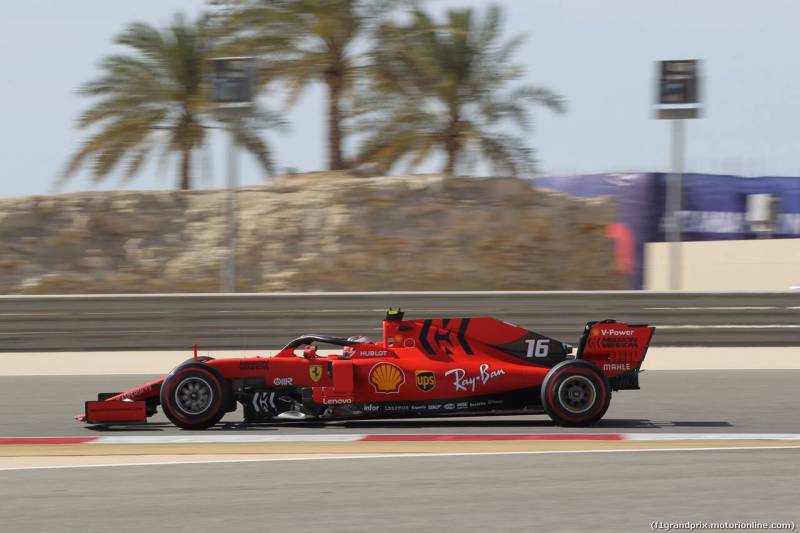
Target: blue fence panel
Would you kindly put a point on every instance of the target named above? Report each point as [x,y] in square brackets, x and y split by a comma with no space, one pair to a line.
[714,207]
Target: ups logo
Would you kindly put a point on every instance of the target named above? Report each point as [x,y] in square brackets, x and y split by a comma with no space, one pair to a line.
[426,380]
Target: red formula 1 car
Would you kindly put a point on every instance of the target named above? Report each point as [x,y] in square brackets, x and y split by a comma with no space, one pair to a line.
[432,368]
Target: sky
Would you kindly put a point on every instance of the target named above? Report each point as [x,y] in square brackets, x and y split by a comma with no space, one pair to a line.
[599,55]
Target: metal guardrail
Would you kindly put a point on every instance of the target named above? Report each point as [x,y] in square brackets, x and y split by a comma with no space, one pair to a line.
[256,321]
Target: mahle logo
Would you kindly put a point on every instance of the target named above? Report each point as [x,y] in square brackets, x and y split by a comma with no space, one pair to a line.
[426,380]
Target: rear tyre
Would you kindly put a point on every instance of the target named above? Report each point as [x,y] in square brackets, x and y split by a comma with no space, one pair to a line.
[575,393]
[194,396]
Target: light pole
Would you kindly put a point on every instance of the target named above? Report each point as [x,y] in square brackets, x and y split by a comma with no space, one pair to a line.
[232,81]
[232,182]
[677,100]
[673,206]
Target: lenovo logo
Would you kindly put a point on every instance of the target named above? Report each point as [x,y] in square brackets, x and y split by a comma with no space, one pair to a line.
[338,401]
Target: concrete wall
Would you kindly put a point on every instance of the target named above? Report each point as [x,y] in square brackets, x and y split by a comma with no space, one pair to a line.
[768,264]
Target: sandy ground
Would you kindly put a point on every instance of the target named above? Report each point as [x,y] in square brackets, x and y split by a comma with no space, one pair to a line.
[159,362]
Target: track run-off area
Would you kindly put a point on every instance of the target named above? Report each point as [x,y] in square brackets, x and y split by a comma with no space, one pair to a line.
[693,444]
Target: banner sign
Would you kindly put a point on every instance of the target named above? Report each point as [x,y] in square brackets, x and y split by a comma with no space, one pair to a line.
[714,208]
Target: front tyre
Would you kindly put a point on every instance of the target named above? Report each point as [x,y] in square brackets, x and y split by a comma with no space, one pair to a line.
[194,396]
[575,393]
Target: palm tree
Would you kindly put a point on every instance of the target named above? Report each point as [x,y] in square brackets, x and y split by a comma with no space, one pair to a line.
[447,87]
[305,41]
[153,98]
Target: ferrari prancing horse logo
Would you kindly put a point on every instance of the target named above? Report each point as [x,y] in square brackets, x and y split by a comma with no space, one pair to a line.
[315,371]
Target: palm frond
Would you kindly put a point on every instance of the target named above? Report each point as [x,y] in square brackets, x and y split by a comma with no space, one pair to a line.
[460,72]
[249,139]
[106,147]
[507,154]
[151,98]
[305,41]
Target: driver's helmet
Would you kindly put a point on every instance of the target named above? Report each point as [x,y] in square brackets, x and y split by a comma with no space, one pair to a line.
[359,339]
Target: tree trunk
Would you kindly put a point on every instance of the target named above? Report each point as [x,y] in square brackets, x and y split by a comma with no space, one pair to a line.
[186,169]
[451,148]
[335,160]
[452,144]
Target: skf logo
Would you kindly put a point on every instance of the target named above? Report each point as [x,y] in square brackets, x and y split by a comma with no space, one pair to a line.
[315,371]
[386,378]
[426,380]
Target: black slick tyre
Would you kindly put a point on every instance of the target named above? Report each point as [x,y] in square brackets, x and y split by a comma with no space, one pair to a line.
[575,393]
[194,396]
[200,359]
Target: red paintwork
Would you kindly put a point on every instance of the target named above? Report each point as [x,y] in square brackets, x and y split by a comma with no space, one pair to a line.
[115,411]
[617,348]
[149,390]
[424,360]
[624,243]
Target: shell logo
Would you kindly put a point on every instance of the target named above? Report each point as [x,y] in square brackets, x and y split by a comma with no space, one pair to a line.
[386,378]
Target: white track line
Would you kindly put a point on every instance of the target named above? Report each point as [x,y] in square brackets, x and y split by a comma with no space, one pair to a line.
[399,456]
[710,436]
[201,439]
[432,437]
[420,437]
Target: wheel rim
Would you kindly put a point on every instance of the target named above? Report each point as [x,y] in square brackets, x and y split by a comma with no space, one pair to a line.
[577,394]
[194,395]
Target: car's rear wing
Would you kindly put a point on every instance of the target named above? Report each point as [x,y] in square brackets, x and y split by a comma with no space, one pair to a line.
[618,350]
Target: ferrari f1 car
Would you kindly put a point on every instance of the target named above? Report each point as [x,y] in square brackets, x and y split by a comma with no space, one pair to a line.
[421,368]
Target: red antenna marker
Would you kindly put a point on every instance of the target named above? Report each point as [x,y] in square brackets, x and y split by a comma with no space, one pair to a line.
[195,352]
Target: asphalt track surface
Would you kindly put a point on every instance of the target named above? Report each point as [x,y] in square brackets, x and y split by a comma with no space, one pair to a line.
[582,492]
[594,491]
[670,401]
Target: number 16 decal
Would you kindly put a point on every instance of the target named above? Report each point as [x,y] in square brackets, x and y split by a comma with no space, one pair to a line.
[538,347]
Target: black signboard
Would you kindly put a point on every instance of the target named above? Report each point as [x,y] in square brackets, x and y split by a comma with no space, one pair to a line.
[231,80]
[678,89]
[678,83]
